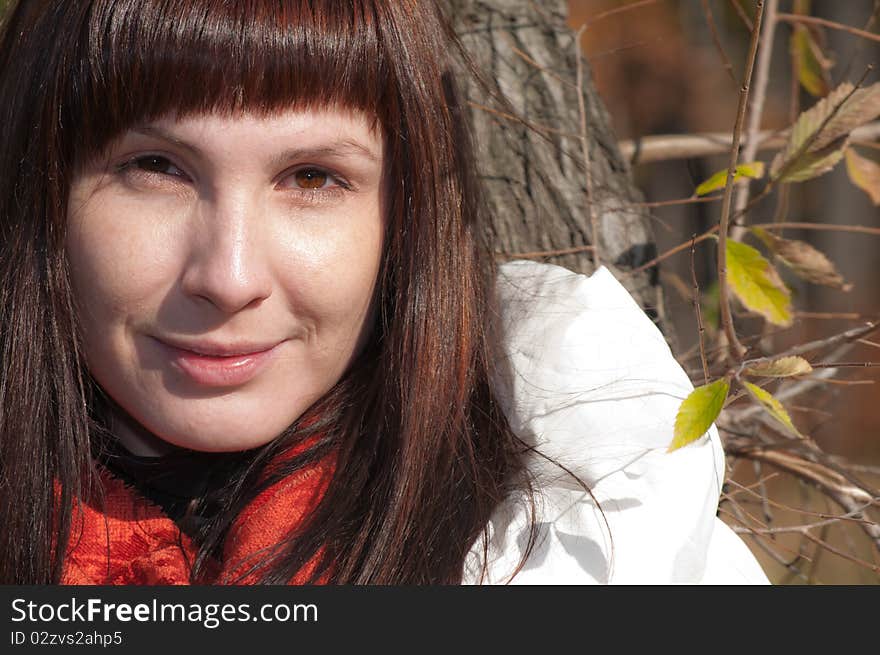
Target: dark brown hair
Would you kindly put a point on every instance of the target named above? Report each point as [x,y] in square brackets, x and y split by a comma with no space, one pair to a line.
[423,451]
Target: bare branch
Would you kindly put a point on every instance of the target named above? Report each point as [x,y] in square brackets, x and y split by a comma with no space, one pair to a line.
[851,498]
[736,348]
[844,337]
[617,10]
[826,546]
[756,103]
[821,227]
[664,147]
[696,302]
[585,149]
[855,516]
[710,21]
[742,14]
[859,229]
[798,18]
[543,253]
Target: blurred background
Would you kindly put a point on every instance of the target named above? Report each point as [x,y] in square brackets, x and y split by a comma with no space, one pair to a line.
[659,69]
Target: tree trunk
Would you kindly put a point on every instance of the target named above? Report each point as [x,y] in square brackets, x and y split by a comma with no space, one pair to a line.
[527,123]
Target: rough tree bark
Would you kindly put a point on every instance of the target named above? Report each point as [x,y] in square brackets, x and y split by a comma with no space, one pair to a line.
[528,125]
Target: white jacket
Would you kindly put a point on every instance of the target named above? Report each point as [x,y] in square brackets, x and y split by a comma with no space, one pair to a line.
[593,384]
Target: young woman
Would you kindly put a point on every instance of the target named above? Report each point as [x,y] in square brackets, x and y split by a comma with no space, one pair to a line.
[247,328]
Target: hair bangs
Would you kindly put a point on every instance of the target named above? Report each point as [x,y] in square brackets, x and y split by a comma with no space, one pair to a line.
[145,59]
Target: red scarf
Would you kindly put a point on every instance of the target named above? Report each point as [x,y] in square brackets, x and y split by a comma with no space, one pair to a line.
[127,539]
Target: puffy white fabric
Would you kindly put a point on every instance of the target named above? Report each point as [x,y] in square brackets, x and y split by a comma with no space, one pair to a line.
[592,384]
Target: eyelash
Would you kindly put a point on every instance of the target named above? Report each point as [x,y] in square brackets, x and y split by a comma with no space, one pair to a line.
[340,186]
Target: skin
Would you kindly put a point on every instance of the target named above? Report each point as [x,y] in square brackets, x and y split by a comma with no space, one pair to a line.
[226,230]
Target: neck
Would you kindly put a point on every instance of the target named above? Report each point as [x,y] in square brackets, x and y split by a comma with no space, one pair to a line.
[134,437]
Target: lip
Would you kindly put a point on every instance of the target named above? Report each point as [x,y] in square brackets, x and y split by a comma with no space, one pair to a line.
[221,365]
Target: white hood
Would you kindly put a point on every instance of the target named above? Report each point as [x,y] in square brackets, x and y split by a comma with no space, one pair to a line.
[593,385]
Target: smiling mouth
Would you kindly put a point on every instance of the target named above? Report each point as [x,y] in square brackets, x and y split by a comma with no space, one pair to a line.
[216,366]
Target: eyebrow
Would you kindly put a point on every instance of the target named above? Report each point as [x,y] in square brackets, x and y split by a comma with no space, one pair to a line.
[340,148]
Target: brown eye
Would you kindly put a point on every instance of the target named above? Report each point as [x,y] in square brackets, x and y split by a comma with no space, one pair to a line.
[158,164]
[311,178]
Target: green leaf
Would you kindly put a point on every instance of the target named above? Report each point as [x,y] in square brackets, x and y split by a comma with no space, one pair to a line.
[819,135]
[784,367]
[756,283]
[771,405]
[804,260]
[697,412]
[753,170]
[812,64]
[810,165]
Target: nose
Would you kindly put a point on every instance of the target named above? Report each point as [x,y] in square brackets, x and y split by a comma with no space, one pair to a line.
[227,264]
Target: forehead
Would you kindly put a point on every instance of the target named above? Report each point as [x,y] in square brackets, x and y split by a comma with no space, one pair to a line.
[349,130]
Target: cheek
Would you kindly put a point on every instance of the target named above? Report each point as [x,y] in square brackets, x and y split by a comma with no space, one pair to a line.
[332,275]
[117,263]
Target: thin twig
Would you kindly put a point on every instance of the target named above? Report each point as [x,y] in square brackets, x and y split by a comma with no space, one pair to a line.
[665,255]
[849,383]
[826,546]
[544,253]
[760,540]
[750,488]
[742,14]
[666,147]
[747,530]
[755,520]
[677,201]
[585,149]
[710,21]
[845,316]
[794,110]
[790,508]
[834,485]
[696,300]
[858,229]
[857,468]
[617,10]
[860,46]
[600,54]
[819,344]
[736,348]
[822,227]
[756,103]
[540,129]
[798,18]
[531,62]
[854,516]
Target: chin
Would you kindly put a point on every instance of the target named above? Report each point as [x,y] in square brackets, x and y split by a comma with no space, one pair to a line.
[219,434]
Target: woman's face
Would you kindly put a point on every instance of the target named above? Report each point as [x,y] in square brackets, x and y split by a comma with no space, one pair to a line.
[224,267]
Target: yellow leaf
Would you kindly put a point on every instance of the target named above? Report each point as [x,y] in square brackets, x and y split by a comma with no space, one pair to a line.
[698,411]
[812,64]
[753,170]
[783,367]
[771,405]
[756,283]
[864,173]
[804,260]
[819,135]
